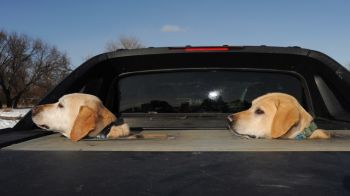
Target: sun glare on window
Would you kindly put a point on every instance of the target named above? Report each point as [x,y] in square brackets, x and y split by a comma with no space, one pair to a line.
[214,95]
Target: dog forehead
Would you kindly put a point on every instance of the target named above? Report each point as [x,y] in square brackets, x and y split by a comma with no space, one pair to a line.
[273,97]
[263,100]
[79,98]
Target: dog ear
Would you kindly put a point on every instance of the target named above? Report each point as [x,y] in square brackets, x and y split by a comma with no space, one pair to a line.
[287,115]
[84,123]
[106,116]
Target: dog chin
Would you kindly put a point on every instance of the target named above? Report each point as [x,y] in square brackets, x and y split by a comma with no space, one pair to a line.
[44,127]
[40,125]
[239,133]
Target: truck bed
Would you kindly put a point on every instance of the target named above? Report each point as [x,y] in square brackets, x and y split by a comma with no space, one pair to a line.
[187,140]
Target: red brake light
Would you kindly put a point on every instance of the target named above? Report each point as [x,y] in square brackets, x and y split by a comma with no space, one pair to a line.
[200,49]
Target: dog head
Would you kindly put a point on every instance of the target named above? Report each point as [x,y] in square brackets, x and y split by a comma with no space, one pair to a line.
[273,115]
[74,115]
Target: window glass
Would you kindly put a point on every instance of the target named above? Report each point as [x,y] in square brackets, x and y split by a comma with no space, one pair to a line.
[201,91]
[332,103]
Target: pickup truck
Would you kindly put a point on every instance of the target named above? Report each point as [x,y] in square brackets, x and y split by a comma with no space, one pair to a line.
[185,93]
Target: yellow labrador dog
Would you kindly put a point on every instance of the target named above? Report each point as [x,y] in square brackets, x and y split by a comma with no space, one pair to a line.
[78,115]
[276,115]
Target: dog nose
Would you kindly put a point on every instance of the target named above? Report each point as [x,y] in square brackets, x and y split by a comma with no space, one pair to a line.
[231,118]
[35,110]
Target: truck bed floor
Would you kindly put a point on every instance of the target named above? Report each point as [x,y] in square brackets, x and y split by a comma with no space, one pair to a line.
[187,140]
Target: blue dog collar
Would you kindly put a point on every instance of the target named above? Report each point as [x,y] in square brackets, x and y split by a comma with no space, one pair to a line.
[307,132]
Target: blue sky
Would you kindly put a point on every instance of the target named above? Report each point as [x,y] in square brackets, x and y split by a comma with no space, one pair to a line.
[82,28]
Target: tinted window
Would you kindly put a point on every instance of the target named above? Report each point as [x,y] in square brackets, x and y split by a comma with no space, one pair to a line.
[201,91]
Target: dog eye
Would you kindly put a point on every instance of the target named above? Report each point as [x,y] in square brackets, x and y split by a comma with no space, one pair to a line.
[60,105]
[259,111]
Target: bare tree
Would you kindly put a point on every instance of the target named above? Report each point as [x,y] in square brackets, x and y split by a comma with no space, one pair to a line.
[124,42]
[25,63]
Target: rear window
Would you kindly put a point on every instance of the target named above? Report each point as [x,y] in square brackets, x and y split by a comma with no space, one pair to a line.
[213,91]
